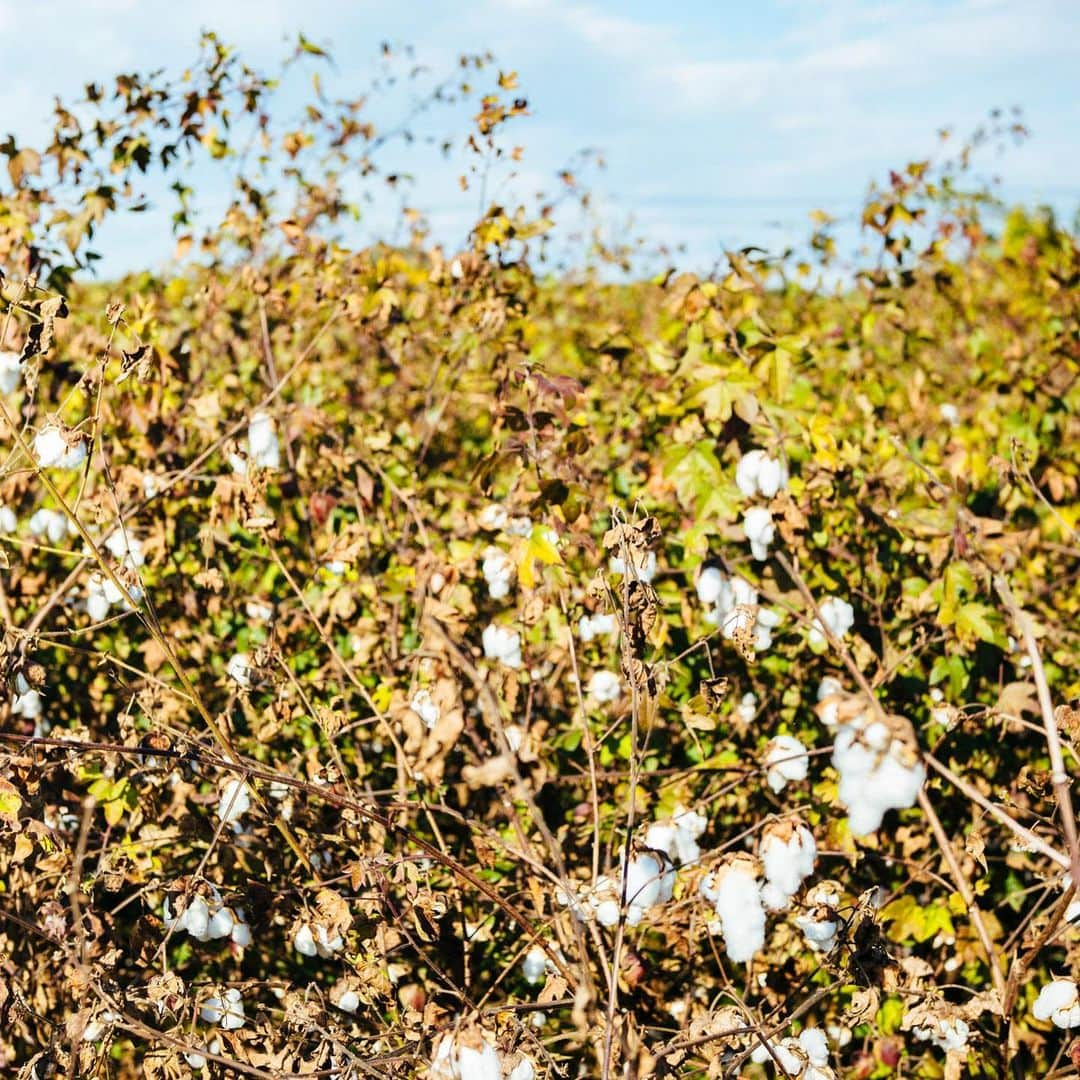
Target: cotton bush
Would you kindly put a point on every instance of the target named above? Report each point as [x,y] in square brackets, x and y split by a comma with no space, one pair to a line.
[313,553]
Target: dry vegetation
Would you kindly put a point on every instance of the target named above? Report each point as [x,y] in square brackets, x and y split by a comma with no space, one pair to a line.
[413,671]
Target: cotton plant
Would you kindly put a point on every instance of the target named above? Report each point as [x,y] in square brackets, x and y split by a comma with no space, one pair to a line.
[836,614]
[788,853]
[805,1057]
[498,571]
[880,768]
[468,1055]
[734,889]
[649,880]
[758,474]
[26,701]
[596,626]
[820,920]
[9,522]
[678,837]
[502,644]
[604,687]
[208,918]
[732,604]
[57,446]
[786,760]
[1058,1002]
[225,1009]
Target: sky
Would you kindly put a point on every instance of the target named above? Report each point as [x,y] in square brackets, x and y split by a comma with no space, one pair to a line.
[722,123]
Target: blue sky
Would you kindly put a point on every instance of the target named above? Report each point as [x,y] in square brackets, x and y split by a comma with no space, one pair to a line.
[721,123]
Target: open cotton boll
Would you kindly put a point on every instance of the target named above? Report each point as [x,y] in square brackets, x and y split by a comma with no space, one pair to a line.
[348,1001]
[678,838]
[650,880]
[949,413]
[946,1033]
[643,565]
[263,448]
[594,626]
[127,548]
[828,687]
[759,474]
[820,922]
[493,517]
[423,704]
[239,669]
[788,853]
[466,1056]
[534,966]
[879,766]
[747,708]
[235,801]
[498,570]
[8,521]
[502,644]
[52,524]
[838,615]
[760,531]
[734,890]
[1059,1002]
[523,1070]
[791,1060]
[604,686]
[56,447]
[28,704]
[10,371]
[787,760]
[225,1010]
[710,585]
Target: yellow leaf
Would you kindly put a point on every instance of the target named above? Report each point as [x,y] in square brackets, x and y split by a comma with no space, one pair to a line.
[10,802]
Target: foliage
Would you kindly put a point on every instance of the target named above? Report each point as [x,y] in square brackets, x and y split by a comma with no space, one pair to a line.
[431,407]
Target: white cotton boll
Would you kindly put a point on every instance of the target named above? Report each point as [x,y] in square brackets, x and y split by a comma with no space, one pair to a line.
[502,644]
[604,686]
[349,1001]
[221,924]
[10,371]
[787,760]
[326,945]
[125,547]
[747,708]
[239,670]
[838,615]
[227,1010]
[760,531]
[828,687]
[519,526]
[815,1044]
[263,448]
[950,413]
[746,472]
[735,893]
[8,521]
[52,524]
[523,1070]
[195,919]
[644,875]
[594,626]
[195,1060]
[423,704]
[498,570]
[481,1064]
[28,705]
[678,837]
[710,585]
[820,934]
[235,801]
[493,517]
[1072,912]
[304,941]
[788,854]
[534,966]
[1058,1001]
[54,448]
[241,932]
[644,568]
